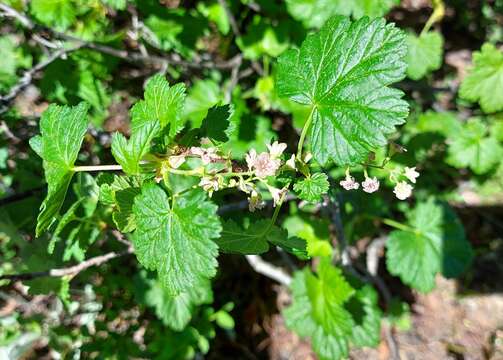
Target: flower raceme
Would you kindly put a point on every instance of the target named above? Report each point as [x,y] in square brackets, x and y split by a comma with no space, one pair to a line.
[402,189]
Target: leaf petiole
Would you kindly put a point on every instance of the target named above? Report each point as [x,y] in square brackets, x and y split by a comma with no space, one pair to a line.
[303,134]
[398,225]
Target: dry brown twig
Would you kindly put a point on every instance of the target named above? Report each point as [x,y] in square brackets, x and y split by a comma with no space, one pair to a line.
[69,271]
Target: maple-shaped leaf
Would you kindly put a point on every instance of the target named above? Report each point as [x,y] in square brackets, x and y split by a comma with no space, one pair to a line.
[129,153]
[314,13]
[473,147]
[317,311]
[434,244]
[174,311]
[424,54]
[255,239]
[62,130]
[312,187]
[484,82]
[175,237]
[162,104]
[343,73]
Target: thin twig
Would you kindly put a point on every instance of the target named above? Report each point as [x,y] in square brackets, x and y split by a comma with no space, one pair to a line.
[263,267]
[13,13]
[72,270]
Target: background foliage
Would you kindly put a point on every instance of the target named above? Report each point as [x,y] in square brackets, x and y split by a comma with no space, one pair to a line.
[90,74]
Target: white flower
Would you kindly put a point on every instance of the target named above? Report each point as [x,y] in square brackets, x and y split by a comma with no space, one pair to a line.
[403,190]
[411,174]
[291,163]
[209,184]
[176,161]
[308,157]
[277,194]
[250,158]
[276,149]
[255,201]
[370,185]
[349,183]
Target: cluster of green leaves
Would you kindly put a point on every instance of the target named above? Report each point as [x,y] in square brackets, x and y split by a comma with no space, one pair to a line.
[336,84]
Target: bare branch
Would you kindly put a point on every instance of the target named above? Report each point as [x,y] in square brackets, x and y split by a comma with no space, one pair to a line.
[13,13]
[72,270]
[272,272]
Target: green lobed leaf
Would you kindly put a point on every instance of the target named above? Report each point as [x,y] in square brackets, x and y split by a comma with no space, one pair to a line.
[343,72]
[484,82]
[256,239]
[435,243]
[217,125]
[472,147]
[176,311]
[176,240]
[62,131]
[162,104]
[313,231]
[317,310]
[312,188]
[129,153]
[365,310]
[424,54]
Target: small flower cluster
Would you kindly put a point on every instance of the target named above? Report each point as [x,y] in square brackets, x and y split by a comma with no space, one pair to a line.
[260,166]
[402,190]
[263,165]
[369,185]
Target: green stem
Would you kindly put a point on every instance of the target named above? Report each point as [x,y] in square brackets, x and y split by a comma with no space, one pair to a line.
[303,134]
[274,215]
[397,225]
[437,15]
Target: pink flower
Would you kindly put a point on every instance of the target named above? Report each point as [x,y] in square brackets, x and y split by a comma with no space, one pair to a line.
[403,190]
[276,149]
[370,185]
[411,174]
[262,164]
[349,183]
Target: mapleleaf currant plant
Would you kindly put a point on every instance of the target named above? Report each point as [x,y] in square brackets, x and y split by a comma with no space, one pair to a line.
[167,174]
